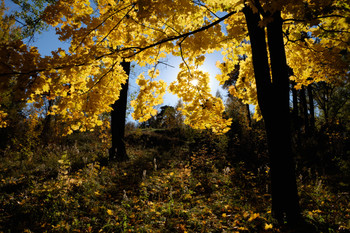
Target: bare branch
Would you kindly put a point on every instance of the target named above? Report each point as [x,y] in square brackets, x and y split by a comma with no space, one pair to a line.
[199,3]
[166,64]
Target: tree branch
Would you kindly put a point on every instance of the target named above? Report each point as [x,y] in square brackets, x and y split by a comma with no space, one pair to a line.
[199,3]
[136,49]
[116,25]
[100,24]
[320,17]
[172,38]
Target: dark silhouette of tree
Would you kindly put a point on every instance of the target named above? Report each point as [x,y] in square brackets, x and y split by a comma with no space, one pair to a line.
[273,98]
[118,114]
[311,108]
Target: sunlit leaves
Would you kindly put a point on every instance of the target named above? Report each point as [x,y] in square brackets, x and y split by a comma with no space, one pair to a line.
[315,41]
[86,79]
[3,122]
[200,108]
[150,95]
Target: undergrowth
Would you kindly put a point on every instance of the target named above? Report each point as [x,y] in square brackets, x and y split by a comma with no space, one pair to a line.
[183,189]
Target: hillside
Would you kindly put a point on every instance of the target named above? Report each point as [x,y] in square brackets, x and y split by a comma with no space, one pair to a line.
[174,182]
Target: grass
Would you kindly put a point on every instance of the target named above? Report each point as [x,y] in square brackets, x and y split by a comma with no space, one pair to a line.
[184,188]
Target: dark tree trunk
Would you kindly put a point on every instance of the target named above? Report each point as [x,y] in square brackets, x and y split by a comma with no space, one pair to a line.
[311,108]
[248,116]
[295,111]
[273,99]
[304,110]
[46,133]
[284,188]
[118,114]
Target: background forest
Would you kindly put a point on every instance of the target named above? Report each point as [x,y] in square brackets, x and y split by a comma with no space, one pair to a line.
[70,162]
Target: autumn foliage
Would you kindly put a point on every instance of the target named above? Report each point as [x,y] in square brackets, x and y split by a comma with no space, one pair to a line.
[271,51]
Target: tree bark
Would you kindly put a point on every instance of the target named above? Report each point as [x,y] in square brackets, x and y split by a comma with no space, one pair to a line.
[311,108]
[295,111]
[46,133]
[304,110]
[118,114]
[273,99]
[248,116]
[284,188]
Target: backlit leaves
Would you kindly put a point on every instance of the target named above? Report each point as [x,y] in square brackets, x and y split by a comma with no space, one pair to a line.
[86,79]
[150,95]
[200,108]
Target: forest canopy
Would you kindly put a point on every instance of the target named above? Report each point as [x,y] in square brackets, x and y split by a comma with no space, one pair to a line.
[86,79]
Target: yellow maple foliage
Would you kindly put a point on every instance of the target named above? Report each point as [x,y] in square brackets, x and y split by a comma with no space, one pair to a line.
[86,79]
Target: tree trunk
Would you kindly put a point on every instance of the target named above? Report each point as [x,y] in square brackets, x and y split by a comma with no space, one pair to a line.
[284,188]
[118,114]
[304,110]
[46,133]
[312,108]
[248,116]
[273,99]
[295,111]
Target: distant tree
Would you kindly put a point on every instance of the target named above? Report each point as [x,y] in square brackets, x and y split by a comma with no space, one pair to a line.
[179,118]
[236,105]
[332,100]
[302,114]
[30,17]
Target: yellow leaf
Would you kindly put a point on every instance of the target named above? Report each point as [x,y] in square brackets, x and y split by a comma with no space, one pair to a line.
[75,127]
[268,226]
[253,216]
[110,212]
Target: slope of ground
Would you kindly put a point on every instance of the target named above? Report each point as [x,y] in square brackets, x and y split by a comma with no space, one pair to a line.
[169,185]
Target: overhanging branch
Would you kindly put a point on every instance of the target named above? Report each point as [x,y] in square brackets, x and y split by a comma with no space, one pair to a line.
[136,49]
[172,38]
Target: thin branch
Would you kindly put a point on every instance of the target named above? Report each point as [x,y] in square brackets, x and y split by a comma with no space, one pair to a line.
[333,31]
[206,7]
[182,57]
[100,79]
[116,25]
[141,24]
[171,28]
[320,17]
[100,24]
[166,64]
[156,58]
[188,68]
[136,50]
[172,38]
[23,24]
[35,71]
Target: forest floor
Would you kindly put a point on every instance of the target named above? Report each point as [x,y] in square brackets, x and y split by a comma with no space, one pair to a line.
[169,185]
